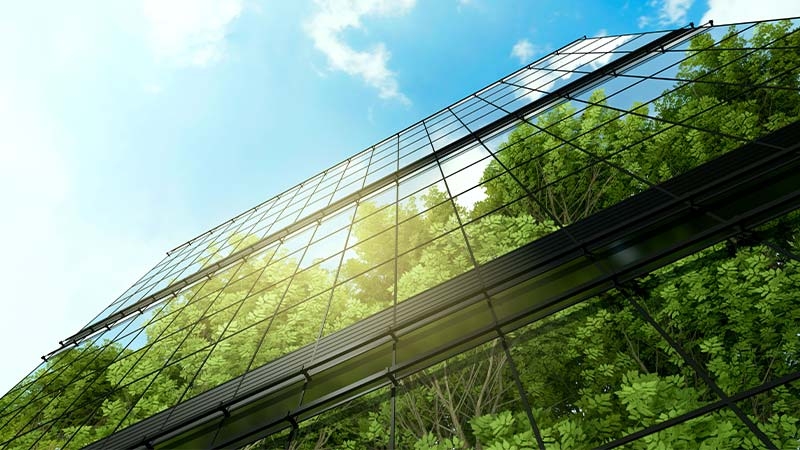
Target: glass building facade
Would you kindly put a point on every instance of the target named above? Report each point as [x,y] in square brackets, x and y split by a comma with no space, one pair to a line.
[599,250]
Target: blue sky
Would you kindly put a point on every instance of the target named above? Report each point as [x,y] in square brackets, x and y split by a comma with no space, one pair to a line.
[127,128]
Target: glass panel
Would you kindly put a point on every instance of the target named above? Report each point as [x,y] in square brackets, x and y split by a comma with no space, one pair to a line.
[411,138]
[734,308]
[381,160]
[358,164]
[134,392]
[165,390]
[335,222]
[353,177]
[777,414]
[49,402]
[368,253]
[595,372]
[87,412]
[192,302]
[495,193]
[234,292]
[720,429]
[463,158]
[293,210]
[26,440]
[147,360]
[505,230]
[446,130]
[336,170]
[357,424]
[284,221]
[298,239]
[231,356]
[469,177]
[433,263]
[361,297]
[361,160]
[82,355]
[415,152]
[424,177]
[389,168]
[308,283]
[423,227]
[467,401]
[324,191]
[326,188]
[374,202]
[481,116]
[324,248]
[421,200]
[317,204]
[261,230]
[293,328]
[347,189]
[571,196]
[312,181]
[261,305]
[10,401]
[253,218]
[50,396]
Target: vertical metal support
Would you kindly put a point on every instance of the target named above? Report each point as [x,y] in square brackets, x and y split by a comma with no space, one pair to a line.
[292,434]
[696,366]
[393,393]
[393,423]
[392,432]
[523,395]
[396,247]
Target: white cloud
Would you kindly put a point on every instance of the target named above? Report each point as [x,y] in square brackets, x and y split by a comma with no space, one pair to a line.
[335,16]
[731,11]
[463,4]
[523,50]
[190,32]
[674,11]
[670,12]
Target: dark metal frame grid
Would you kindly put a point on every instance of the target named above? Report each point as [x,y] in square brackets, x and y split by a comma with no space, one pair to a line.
[437,156]
[189,255]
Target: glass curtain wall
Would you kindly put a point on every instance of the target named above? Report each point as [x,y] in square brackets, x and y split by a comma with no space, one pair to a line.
[701,352]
